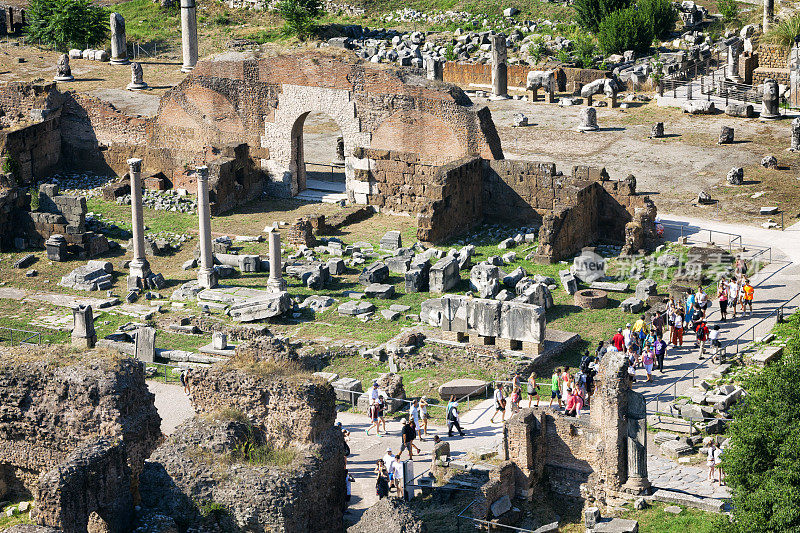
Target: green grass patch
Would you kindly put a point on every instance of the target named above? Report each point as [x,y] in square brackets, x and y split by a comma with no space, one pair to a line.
[655,520]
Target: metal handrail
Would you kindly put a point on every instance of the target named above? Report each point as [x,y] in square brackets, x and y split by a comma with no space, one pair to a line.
[490,526]
[30,335]
[723,350]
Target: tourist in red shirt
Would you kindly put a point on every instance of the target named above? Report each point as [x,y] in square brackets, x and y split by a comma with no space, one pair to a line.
[618,340]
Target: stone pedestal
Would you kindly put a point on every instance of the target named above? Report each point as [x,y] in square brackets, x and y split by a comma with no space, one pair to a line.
[119,42]
[275,283]
[657,131]
[56,247]
[145,344]
[206,275]
[795,146]
[588,119]
[434,70]
[83,334]
[189,34]
[63,71]
[139,266]
[137,78]
[499,67]
[769,101]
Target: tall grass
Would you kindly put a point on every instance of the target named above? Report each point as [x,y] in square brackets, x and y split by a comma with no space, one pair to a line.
[784,32]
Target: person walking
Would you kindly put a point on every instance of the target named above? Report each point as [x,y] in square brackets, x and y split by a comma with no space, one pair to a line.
[722,298]
[408,434]
[640,329]
[499,404]
[710,463]
[423,409]
[452,418]
[660,351]
[382,409]
[382,482]
[374,418]
[718,453]
[516,397]
[747,296]
[689,309]
[647,362]
[702,300]
[618,340]
[397,475]
[533,389]
[566,378]
[415,415]
[555,387]
[677,329]
[716,344]
[626,334]
[733,296]
[702,336]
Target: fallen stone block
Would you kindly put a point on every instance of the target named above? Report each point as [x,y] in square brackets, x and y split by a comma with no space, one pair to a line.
[355,307]
[568,281]
[444,275]
[462,387]
[24,261]
[712,505]
[379,290]
[632,305]
[261,307]
[375,273]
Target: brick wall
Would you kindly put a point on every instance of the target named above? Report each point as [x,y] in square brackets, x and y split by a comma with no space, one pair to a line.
[456,202]
[773,56]
[36,148]
[501,483]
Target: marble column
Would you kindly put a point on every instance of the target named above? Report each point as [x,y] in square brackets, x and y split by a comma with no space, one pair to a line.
[139,267]
[206,276]
[769,15]
[636,443]
[119,42]
[499,67]
[189,34]
[275,283]
[732,69]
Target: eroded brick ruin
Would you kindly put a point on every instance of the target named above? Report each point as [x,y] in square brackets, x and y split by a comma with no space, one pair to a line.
[411,146]
[594,460]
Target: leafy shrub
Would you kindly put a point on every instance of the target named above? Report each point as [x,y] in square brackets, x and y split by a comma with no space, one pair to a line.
[661,15]
[762,465]
[591,12]
[65,24]
[626,29]
[585,49]
[222,19]
[300,16]
[729,10]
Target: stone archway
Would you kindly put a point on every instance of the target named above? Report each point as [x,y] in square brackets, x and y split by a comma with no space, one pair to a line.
[283,134]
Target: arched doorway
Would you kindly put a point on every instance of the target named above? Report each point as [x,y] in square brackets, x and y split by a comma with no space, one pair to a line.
[319,158]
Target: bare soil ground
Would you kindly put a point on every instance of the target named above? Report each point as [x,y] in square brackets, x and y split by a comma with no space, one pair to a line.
[673,170]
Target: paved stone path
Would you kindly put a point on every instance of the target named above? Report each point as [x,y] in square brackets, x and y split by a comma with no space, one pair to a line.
[664,473]
[172,404]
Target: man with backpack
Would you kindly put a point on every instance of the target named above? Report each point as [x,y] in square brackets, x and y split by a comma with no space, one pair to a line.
[702,336]
[660,351]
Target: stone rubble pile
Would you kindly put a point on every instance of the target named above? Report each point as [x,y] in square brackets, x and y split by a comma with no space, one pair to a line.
[175,200]
[93,276]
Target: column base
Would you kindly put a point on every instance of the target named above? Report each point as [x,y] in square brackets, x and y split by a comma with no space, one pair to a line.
[140,268]
[64,78]
[496,97]
[207,279]
[84,342]
[636,485]
[277,284]
[124,61]
[187,68]
[137,86]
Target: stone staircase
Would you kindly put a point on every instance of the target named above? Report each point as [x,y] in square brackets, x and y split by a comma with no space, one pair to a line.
[329,192]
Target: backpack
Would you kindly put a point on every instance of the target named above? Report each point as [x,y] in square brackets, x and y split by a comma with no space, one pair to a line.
[451,414]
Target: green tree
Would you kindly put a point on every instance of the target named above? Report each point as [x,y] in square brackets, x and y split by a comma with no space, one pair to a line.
[762,464]
[626,29]
[591,12]
[585,49]
[661,15]
[300,16]
[65,24]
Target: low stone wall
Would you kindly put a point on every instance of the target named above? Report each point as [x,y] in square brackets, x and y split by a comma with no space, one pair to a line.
[35,149]
[292,410]
[479,75]
[15,205]
[455,203]
[773,56]
[53,403]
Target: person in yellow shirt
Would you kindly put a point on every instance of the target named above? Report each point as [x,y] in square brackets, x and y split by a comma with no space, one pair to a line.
[747,296]
[640,329]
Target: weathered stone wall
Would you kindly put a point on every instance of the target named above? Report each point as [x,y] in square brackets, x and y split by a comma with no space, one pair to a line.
[15,205]
[264,102]
[95,478]
[773,62]
[501,483]
[567,452]
[35,148]
[53,402]
[292,410]
[454,201]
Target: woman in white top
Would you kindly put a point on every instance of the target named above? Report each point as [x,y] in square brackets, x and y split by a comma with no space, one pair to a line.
[733,296]
[710,460]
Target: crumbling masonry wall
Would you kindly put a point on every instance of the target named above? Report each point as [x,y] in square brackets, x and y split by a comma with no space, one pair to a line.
[293,410]
[53,403]
[568,455]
